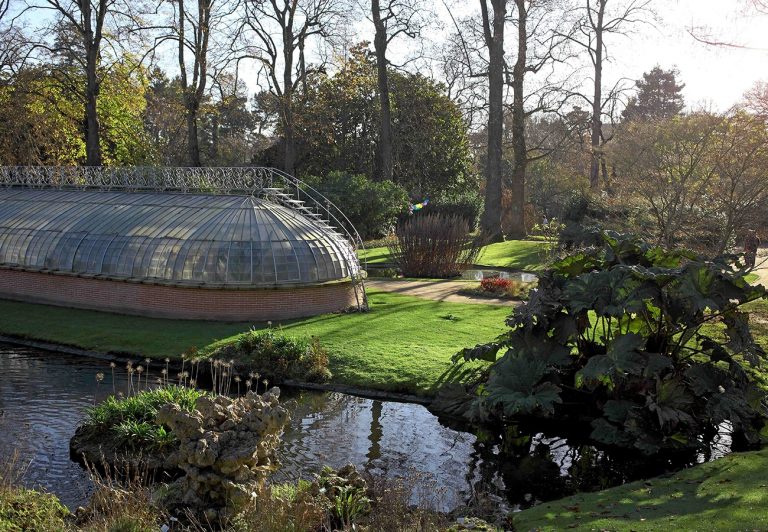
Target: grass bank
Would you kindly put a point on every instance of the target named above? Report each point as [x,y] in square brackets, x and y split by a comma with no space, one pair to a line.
[404,344]
[513,254]
[728,494]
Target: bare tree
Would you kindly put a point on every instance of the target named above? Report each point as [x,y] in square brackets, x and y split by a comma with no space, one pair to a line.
[601,19]
[539,44]
[463,73]
[279,32]
[4,7]
[391,18]
[493,34]
[203,33]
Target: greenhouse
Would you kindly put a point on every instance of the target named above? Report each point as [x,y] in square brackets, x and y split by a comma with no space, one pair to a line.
[193,255]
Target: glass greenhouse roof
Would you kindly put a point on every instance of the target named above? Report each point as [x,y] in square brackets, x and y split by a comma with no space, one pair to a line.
[238,241]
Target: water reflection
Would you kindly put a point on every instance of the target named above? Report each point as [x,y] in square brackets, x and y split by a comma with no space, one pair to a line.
[43,397]
[384,438]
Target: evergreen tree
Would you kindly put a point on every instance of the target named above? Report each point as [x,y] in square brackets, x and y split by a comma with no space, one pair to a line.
[659,96]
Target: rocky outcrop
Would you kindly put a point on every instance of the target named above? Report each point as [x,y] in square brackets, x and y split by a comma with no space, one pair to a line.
[226,449]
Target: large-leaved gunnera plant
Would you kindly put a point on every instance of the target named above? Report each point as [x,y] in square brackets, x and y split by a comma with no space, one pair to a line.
[646,348]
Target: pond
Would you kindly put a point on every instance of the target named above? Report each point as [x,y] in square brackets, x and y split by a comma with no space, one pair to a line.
[44,395]
[479,275]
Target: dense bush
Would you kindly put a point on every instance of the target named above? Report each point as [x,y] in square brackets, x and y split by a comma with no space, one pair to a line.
[277,357]
[648,347]
[372,207]
[434,246]
[337,128]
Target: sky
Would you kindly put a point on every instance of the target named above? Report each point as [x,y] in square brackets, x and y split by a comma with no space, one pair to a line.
[714,76]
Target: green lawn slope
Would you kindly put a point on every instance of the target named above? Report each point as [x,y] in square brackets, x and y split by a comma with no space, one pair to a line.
[525,255]
[404,344]
[728,494]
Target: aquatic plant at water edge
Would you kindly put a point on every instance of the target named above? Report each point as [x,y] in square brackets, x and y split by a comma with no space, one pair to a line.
[130,422]
[23,509]
[273,356]
[648,347]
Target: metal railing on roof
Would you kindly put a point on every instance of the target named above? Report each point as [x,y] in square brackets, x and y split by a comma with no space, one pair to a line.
[270,183]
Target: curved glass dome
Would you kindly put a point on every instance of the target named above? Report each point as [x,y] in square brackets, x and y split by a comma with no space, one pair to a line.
[181,239]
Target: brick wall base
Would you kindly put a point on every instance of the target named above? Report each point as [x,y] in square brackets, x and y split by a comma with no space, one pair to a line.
[175,302]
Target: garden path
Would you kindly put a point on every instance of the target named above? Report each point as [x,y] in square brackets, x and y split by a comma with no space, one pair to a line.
[761,264]
[436,290]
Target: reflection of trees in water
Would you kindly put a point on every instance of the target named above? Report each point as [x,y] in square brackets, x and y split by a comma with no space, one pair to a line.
[537,468]
[377,430]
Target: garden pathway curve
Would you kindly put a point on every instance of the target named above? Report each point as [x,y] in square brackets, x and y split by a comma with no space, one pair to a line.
[761,266]
[435,290]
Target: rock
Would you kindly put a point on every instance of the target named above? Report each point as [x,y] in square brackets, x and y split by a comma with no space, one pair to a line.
[226,450]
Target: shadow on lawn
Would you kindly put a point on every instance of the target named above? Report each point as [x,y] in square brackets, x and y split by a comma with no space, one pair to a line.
[661,499]
[458,374]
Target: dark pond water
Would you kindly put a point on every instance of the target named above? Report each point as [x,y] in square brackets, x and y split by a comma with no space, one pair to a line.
[43,397]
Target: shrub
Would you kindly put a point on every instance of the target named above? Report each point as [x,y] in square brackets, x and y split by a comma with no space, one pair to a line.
[371,206]
[22,509]
[277,357]
[468,206]
[623,338]
[434,246]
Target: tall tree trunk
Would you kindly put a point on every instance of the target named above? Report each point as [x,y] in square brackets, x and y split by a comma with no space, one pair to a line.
[92,136]
[597,101]
[92,126]
[214,152]
[384,164]
[520,151]
[490,222]
[289,136]
[193,142]
[289,164]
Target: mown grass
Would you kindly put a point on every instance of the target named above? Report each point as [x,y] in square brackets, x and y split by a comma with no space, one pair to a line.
[403,344]
[513,254]
[728,494]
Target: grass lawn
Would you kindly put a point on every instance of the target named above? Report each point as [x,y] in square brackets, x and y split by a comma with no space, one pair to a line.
[377,255]
[728,494]
[515,254]
[403,344]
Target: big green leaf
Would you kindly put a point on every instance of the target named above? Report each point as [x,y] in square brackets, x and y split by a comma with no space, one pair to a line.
[515,385]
